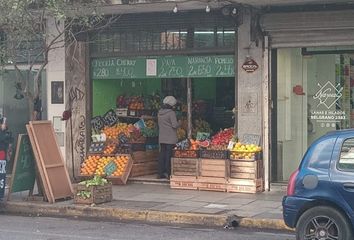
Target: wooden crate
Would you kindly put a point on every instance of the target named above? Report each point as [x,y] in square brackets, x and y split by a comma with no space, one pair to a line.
[213,168]
[212,184]
[246,169]
[145,156]
[145,168]
[245,185]
[120,180]
[183,182]
[184,166]
[99,194]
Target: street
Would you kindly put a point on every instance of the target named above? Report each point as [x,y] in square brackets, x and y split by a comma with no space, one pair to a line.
[43,228]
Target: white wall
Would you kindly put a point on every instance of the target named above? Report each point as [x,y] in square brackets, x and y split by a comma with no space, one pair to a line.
[55,72]
[292,117]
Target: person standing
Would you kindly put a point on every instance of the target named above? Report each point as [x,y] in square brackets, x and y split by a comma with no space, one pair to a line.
[168,125]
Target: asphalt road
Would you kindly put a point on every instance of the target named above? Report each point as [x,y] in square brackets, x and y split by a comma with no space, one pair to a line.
[43,228]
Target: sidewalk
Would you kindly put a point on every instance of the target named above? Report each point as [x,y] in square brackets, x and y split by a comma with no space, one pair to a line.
[159,203]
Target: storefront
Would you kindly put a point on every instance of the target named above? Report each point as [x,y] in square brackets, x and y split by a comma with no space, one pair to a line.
[132,69]
[311,81]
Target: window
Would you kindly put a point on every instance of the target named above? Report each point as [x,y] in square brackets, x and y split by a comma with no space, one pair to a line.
[346,161]
[321,154]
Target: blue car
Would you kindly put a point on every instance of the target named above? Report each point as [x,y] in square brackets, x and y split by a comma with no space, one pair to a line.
[320,194]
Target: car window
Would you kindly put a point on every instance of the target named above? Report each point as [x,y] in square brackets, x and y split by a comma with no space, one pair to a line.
[346,160]
[321,154]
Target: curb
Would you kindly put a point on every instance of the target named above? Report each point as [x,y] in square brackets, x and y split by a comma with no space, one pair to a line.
[151,216]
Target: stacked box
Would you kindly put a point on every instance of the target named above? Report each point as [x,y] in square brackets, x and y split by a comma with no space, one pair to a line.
[184,182]
[212,184]
[144,163]
[213,174]
[246,169]
[245,185]
[184,167]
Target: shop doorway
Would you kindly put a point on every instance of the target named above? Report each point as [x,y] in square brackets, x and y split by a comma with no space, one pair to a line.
[314,90]
[212,103]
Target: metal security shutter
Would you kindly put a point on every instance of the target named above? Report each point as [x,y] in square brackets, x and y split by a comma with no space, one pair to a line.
[306,29]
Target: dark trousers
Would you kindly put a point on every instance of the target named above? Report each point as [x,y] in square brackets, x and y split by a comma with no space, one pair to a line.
[165,159]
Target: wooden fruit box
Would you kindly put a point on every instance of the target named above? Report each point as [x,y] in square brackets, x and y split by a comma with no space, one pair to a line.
[246,169]
[145,168]
[212,184]
[145,156]
[183,182]
[213,154]
[213,168]
[177,153]
[120,180]
[245,156]
[245,185]
[184,166]
[98,194]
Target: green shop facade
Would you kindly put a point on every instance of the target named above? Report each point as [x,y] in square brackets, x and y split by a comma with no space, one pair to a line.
[189,55]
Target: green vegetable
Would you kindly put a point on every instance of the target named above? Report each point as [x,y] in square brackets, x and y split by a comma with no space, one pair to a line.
[95,181]
[84,194]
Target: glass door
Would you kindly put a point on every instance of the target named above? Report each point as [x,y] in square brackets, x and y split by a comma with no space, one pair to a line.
[314,96]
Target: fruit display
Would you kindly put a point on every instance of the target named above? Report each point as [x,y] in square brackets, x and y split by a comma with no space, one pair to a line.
[95,165]
[154,102]
[110,148]
[187,148]
[121,102]
[136,103]
[102,162]
[114,131]
[245,151]
[151,129]
[200,125]
[88,167]
[136,136]
[121,162]
[221,139]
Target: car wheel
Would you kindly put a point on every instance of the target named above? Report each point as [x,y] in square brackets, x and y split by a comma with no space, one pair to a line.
[323,223]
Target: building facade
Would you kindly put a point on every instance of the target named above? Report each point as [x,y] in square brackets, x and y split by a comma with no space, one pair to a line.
[297,87]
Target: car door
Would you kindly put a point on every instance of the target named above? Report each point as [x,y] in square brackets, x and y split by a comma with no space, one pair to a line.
[342,170]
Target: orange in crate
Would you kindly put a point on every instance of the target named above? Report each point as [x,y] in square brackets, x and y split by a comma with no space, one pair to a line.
[89,165]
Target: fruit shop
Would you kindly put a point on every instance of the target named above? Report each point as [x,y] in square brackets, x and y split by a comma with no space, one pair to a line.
[125,131]
[191,57]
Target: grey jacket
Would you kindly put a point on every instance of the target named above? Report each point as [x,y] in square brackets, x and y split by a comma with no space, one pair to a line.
[167,126]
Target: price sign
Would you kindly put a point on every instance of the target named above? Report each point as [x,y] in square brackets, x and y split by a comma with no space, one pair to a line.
[110,168]
[202,136]
[123,138]
[251,139]
[110,118]
[97,123]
